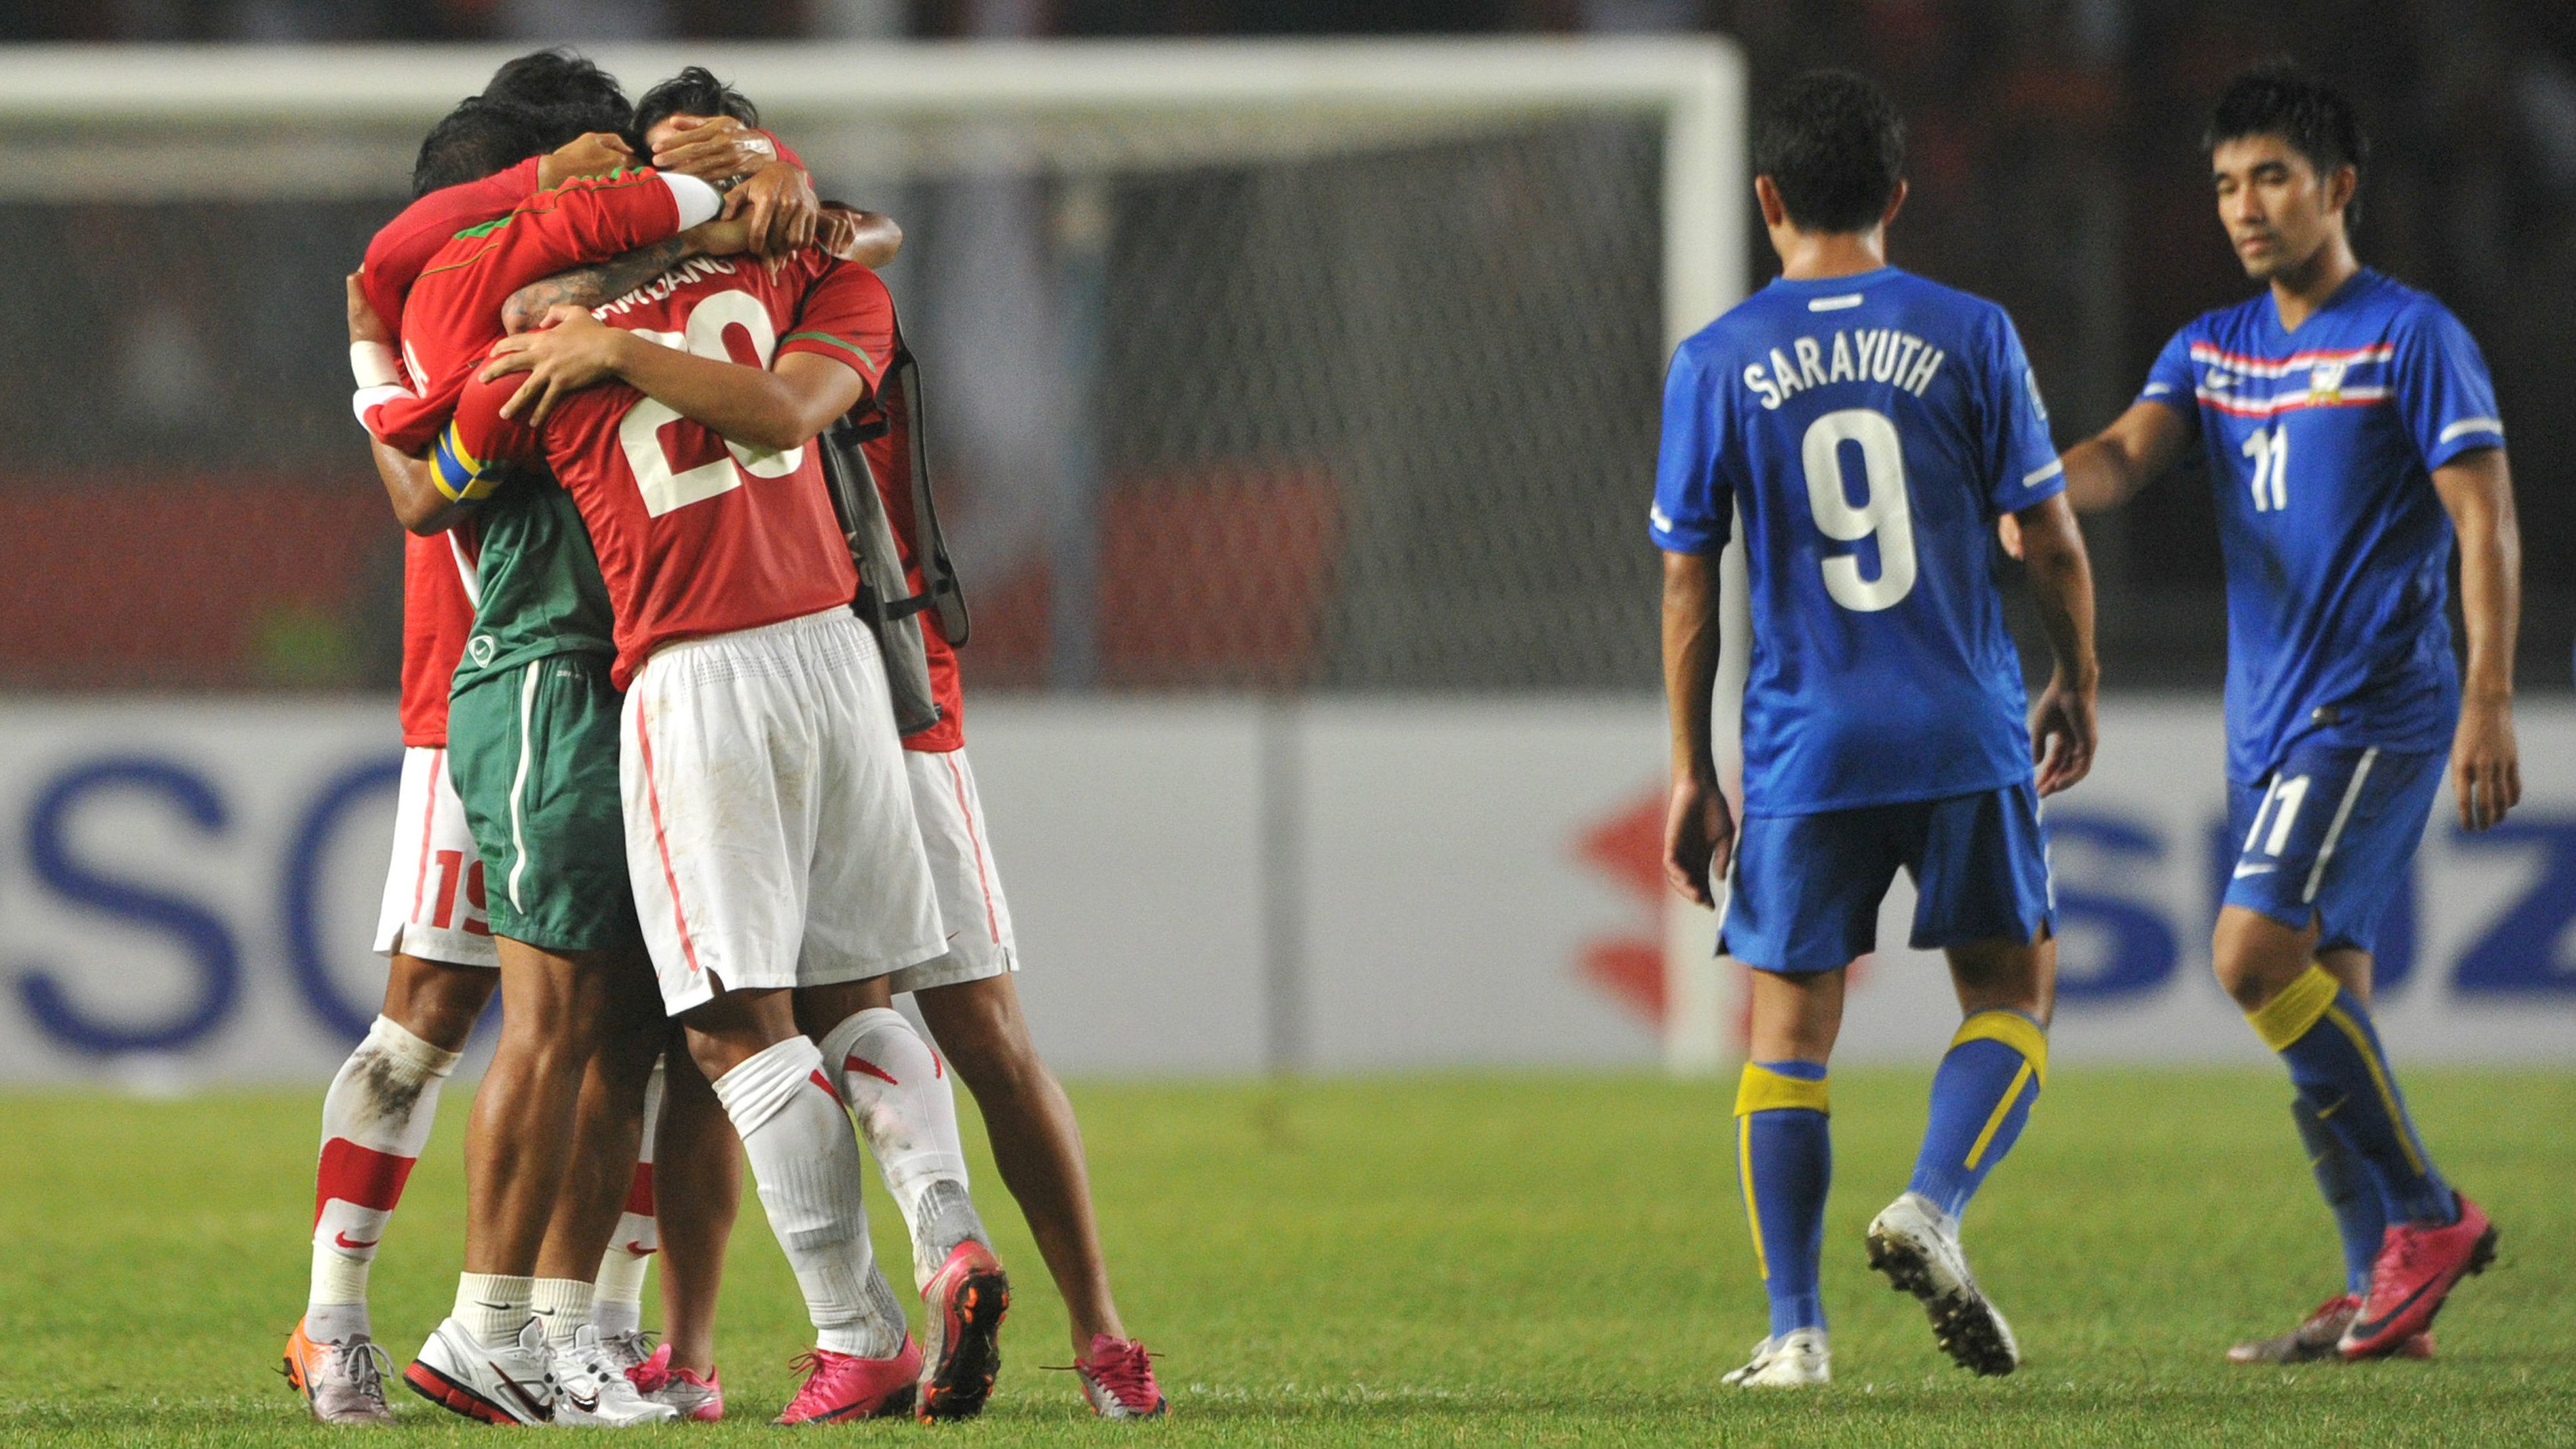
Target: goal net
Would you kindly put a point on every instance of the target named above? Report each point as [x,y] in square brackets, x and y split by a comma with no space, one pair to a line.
[1288,366]
[1291,367]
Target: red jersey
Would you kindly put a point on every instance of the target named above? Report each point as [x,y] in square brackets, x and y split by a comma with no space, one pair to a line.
[890,459]
[438,612]
[404,246]
[402,249]
[696,536]
[453,315]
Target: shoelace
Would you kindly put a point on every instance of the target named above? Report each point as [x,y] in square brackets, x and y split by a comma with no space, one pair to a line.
[813,1365]
[368,1365]
[653,1374]
[1127,1373]
[627,1352]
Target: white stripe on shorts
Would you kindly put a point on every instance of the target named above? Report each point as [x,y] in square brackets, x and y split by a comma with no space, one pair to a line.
[519,781]
[2334,832]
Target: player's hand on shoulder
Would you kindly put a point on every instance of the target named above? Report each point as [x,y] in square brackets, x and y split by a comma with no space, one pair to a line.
[571,351]
[2064,732]
[364,324]
[593,153]
[779,202]
[1699,839]
[2486,765]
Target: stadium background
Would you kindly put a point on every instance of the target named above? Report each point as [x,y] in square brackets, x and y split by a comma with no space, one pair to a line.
[1298,495]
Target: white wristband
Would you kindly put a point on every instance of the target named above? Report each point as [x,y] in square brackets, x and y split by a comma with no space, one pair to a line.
[374,397]
[698,202]
[373,364]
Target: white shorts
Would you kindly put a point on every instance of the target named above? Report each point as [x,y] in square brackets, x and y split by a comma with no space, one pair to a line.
[951,812]
[769,823]
[434,890]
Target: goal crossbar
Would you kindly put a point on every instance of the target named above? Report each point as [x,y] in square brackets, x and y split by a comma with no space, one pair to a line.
[108,108]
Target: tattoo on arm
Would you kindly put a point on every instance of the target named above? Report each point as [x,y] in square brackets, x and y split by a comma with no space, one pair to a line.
[592,285]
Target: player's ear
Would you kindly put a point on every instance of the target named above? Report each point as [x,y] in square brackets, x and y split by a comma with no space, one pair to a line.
[1895,203]
[2344,181]
[1775,212]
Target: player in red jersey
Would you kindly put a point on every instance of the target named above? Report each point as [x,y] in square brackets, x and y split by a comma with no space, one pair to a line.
[431,1006]
[966,993]
[493,1358]
[771,836]
[379,1110]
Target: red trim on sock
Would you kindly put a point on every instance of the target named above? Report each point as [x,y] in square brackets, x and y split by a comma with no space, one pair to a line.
[639,1193]
[824,1082]
[359,1175]
[862,1064]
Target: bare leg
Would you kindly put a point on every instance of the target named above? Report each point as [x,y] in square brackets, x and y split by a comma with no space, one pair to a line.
[608,1126]
[697,1189]
[2006,975]
[437,1001]
[1037,1144]
[1796,1017]
[520,1137]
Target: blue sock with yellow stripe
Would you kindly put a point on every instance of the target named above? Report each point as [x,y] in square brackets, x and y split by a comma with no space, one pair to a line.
[2361,1217]
[2325,1034]
[1981,1096]
[1785,1158]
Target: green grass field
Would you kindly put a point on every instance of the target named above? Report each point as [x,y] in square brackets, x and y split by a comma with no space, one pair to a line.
[1541,1260]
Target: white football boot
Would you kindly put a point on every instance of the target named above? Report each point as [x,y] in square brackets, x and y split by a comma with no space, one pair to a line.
[1793,1360]
[1915,1246]
[593,1392]
[512,1384]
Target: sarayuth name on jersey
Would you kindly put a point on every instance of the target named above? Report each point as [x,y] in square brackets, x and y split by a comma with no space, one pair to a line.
[1880,354]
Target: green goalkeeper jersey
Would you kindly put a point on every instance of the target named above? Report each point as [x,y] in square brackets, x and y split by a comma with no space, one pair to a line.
[541,593]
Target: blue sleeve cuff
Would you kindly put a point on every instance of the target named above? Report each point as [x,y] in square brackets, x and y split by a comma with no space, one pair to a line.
[2465,435]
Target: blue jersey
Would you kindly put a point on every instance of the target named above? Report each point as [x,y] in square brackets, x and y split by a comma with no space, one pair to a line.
[1869,429]
[2321,445]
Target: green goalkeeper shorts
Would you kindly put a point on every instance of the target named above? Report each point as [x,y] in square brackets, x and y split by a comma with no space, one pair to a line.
[533,749]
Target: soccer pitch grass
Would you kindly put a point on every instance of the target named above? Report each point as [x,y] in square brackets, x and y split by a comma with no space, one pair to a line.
[1503,1259]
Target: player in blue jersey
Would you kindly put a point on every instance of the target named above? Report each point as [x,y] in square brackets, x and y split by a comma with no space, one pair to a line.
[2351,434]
[1871,427]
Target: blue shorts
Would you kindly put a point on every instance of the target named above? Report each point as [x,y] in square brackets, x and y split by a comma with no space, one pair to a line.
[2328,836]
[1805,890]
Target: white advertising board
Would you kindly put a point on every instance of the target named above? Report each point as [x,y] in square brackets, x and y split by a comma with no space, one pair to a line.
[1212,887]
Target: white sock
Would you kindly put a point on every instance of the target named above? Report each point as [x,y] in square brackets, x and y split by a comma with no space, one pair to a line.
[899,1092]
[493,1306]
[375,1120]
[619,1307]
[563,1306]
[797,1136]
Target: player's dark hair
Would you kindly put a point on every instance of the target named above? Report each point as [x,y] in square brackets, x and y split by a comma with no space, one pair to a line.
[572,93]
[2310,116]
[693,92]
[479,137]
[1835,147]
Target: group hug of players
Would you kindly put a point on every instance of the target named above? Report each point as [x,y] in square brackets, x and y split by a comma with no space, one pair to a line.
[1875,432]
[621,368]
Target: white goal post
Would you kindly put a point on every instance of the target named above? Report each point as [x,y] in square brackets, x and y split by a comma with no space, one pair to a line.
[165,123]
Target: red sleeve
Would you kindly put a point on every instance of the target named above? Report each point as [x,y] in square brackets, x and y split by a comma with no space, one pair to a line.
[397,253]
[847,316]
[587,219]
[478,443]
